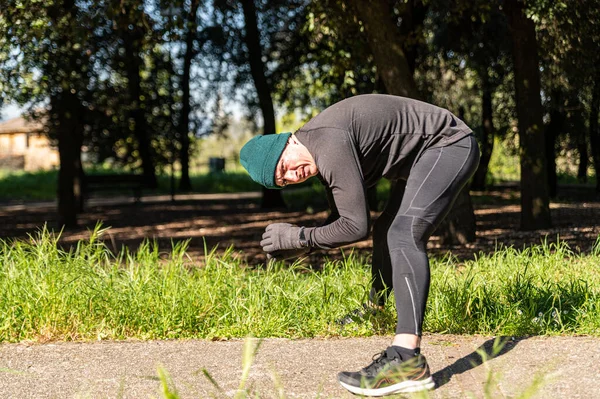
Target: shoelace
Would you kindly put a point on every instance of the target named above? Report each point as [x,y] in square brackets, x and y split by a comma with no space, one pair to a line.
[376,365]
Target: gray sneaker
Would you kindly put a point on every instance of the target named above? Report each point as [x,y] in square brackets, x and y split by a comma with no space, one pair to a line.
[389,374]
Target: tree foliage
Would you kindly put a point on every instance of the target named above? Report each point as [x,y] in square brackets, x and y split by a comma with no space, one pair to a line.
[135,81]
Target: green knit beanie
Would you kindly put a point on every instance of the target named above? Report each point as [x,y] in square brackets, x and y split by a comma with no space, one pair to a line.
[260,156]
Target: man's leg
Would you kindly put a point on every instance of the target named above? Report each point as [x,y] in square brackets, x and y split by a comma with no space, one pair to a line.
[433,184]
[381,264]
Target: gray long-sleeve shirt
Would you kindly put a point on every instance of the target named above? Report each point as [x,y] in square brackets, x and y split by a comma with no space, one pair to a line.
[359,140]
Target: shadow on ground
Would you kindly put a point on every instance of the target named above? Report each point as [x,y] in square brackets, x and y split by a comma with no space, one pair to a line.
[490,349]
[238,221]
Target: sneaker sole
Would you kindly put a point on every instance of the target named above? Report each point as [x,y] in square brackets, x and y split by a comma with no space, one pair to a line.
[402,387]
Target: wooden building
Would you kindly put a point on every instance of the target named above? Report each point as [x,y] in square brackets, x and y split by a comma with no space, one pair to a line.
[23,146]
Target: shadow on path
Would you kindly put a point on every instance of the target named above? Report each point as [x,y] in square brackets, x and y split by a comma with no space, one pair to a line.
[490,349]
[236,220]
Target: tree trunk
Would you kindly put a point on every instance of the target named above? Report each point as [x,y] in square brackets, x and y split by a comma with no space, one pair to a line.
[132,41]
[594,130]
[185,184]
[386,44]
[554,128]
[270,198]
[552,133]
[65,115]
[413,16]
[65,121]
[459,227]
[579,135]
[535,202]
[487,138]
[583,160]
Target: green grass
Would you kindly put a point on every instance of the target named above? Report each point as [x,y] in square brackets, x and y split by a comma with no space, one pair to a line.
[225,182]
[505,166]
[564,178]
[86,293]
[28,185]
[43,185]
[544,289]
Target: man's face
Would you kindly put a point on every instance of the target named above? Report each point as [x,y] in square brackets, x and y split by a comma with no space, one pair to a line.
[295,165]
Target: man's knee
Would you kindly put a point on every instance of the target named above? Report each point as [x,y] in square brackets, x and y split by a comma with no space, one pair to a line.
[409,232]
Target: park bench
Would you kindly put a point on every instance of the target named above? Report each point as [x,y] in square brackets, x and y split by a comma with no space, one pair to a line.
[114,183]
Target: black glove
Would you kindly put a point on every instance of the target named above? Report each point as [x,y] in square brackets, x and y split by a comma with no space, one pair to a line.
[287,254]
[281,236]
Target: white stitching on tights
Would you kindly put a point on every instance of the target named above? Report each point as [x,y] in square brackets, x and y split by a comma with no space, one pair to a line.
[412,233]
[413,304]
[412,270]
[425,179]
[456,174]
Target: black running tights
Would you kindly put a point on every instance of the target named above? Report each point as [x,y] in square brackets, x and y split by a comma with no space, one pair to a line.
[414,210]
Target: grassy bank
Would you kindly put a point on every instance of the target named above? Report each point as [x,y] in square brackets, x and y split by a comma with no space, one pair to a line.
[43,185]
[28,186]
[89,294]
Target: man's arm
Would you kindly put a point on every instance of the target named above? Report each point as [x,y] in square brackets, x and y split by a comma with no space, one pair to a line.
[341,171]
[333,211]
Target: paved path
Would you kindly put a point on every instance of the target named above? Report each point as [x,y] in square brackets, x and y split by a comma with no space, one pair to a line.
[306,368]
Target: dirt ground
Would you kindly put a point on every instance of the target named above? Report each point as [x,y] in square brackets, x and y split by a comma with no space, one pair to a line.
[236,219]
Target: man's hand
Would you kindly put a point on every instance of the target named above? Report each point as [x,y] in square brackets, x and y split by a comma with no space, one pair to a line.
[281,236]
